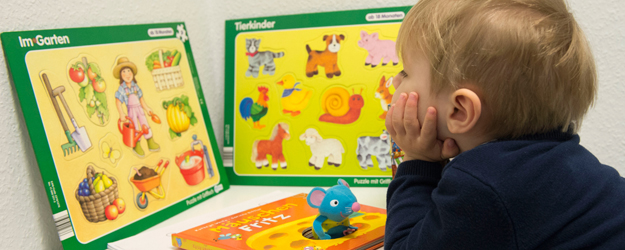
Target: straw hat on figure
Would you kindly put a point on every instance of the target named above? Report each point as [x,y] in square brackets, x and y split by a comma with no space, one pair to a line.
[131,95]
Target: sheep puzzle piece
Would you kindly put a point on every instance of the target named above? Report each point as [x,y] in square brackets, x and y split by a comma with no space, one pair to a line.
[335,206]
[322,148]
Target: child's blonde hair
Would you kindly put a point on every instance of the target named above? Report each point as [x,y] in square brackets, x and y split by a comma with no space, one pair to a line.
[529,59]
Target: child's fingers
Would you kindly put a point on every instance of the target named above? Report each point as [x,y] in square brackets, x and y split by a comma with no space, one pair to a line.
[411,121]
[428,131]
[398,115]
[388,122]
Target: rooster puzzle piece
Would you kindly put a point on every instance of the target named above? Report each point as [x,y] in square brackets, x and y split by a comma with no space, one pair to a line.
[256,110]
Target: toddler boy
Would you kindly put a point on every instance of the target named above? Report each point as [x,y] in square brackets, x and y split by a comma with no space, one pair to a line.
[501,86]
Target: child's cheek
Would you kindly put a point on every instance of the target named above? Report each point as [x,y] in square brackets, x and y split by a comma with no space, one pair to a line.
[397,94]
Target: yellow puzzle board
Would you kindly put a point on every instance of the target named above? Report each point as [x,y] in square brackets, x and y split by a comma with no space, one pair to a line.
[355,77]
[55,63]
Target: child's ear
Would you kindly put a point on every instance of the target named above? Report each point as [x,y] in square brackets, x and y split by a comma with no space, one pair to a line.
[465,112]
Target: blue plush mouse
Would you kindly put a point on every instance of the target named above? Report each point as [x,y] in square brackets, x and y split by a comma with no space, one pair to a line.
[335,206]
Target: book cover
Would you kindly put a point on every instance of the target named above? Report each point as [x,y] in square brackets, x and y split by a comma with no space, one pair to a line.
[306,97]
[282,224]
[118,124]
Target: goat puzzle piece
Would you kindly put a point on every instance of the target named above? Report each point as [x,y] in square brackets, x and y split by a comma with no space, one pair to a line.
[335,206]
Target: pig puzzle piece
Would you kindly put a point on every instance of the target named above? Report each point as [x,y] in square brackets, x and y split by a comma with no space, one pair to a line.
[378,49]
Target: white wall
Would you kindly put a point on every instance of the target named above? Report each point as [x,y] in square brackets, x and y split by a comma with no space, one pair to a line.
[24,210]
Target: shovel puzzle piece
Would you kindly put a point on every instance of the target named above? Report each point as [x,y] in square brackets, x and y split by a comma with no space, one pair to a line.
[79,139]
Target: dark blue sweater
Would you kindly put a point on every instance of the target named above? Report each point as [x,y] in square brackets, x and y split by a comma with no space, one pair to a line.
[537,192]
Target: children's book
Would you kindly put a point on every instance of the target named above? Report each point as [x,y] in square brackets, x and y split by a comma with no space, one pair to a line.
[306,97]
[159,237]
[118,124]
[282,224]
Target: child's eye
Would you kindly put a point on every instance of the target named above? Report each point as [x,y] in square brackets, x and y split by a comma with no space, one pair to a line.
[403,73]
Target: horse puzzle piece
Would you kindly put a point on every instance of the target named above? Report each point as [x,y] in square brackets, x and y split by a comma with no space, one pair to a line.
[335,206]
[272,147]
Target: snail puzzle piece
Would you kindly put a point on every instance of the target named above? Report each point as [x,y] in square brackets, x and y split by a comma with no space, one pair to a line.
[272,147]
[335,206]
[325,58]
[378,146]
[340,107]
[322,148]
[378,49]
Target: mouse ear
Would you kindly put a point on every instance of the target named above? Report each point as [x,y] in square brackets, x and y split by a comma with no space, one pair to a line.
[315,197]
[343,182]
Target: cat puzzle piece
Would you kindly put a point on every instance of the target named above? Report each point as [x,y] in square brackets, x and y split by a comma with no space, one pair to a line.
[258,58]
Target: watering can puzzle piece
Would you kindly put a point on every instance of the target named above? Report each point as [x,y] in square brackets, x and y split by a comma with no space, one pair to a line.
[130,137]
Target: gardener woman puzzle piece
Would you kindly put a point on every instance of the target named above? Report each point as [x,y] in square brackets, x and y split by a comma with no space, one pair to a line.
[130,94]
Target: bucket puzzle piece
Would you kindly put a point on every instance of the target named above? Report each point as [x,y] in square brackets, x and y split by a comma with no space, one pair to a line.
[195,163]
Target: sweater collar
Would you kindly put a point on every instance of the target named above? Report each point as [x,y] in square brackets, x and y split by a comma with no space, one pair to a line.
[553,135]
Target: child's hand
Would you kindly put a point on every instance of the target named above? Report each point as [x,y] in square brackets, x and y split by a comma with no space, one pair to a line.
[418,141]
